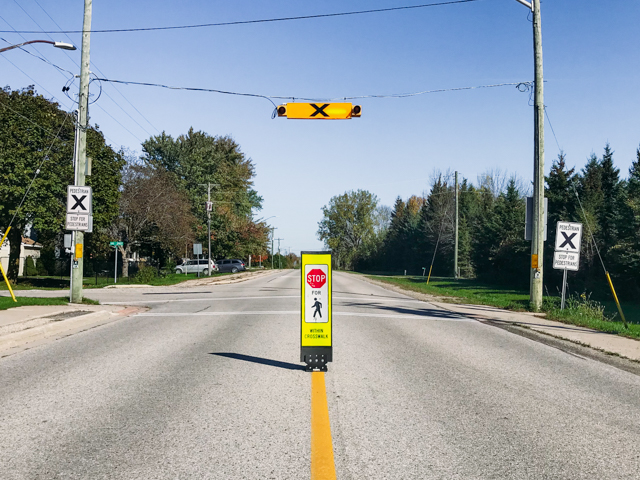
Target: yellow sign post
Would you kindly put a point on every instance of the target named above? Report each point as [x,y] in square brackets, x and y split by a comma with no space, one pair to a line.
[4,275]
[319,111]
[316,325]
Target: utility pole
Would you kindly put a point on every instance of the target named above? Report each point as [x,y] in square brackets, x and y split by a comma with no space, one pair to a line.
[81,159]
[272,235]
[209,227]
[208,185]
[455,251]
[537,240]
[279,256]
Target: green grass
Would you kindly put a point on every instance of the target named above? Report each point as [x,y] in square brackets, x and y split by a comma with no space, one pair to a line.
[58,283]
[581,311]
[7,302]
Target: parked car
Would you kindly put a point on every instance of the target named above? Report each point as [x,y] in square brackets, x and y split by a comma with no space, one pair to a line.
[195,266]
[233,265]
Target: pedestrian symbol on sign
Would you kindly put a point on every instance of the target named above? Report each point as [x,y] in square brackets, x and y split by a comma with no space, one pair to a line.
[318,307]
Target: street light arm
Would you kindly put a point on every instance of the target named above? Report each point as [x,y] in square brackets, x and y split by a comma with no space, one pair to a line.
[63,45]
[526,4]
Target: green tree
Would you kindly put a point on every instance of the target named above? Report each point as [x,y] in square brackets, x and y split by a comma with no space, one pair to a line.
[37,137]
[504,249]
[198,158]
[347,225]
[610,214]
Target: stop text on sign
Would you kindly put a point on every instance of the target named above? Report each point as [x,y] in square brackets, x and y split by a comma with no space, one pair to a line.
[316,278]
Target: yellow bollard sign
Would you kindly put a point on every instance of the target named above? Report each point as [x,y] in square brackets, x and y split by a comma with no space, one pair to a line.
[316,325]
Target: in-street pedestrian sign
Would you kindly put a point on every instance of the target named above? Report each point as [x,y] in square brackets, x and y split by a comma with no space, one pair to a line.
[568,237]
[316,322]
[319,111]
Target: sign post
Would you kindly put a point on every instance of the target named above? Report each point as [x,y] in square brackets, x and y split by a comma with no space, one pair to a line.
[316,314]
[197,251]
[115,245]
[567,251]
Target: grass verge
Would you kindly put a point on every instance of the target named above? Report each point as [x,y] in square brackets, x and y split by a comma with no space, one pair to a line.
[580,310]
[7,302]
[59,283]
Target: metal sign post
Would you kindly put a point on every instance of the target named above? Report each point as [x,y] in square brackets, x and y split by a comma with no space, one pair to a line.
[197,251]
[316,314]
[115,269]
[567,251]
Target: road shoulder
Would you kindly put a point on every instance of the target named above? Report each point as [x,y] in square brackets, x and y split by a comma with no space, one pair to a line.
[618,351]
[22,328]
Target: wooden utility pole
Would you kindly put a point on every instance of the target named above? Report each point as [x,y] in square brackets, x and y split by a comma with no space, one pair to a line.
[455,250]
[537,240]
[81,159]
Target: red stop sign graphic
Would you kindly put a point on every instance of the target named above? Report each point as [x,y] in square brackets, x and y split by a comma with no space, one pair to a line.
[316,278]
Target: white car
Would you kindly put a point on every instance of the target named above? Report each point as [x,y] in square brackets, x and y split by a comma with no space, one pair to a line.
[195,266]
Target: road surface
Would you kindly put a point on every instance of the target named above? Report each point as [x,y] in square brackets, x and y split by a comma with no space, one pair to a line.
[207,384]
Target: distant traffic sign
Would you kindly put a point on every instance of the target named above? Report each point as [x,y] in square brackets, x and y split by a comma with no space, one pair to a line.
[79,200]
[319,111]
[568,237]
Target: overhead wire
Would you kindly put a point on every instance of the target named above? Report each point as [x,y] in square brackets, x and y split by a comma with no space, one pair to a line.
[94,66]
[518,85]
[264,20]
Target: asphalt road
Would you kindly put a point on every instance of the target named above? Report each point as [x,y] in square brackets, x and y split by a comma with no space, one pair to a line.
[207,384]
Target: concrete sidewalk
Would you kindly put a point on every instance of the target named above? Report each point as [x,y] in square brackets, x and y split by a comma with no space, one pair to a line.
[22,328]
[605,342]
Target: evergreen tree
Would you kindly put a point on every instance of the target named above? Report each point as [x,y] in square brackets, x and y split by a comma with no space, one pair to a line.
[611,201]
[562,205]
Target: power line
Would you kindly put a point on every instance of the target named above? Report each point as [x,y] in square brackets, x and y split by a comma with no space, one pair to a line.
[61,69]
[101,73]
[265,20]
[270,97]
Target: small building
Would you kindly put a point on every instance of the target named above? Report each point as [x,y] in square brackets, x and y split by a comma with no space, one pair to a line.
[28,248]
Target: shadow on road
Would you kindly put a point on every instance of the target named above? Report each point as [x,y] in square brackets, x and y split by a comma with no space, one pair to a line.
[263,361]
[423,312]
[172,293]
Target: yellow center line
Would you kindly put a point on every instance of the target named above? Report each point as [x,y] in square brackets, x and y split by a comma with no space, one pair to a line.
[322,464]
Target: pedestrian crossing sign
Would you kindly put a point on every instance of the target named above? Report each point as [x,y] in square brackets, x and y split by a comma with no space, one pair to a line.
[315,301]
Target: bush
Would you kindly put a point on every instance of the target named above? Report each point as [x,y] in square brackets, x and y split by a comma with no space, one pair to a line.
[29,267]
[146,274]
[41,271]
[583,306]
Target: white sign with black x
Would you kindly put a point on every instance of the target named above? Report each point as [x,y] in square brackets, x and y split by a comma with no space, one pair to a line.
[79,200]
[568,237]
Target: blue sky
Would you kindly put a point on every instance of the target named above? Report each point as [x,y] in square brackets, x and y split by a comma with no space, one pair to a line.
[591,66]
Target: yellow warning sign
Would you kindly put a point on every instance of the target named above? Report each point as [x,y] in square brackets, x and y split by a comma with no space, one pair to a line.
[319,111]
[316,300]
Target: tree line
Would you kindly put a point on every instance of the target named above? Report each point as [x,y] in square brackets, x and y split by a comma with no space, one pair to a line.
[420,230]
[153,202]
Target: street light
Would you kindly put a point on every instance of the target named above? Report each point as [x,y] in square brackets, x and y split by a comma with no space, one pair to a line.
[62,45]
[537,237]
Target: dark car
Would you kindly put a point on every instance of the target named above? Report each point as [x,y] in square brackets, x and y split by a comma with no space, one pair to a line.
[234,265]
